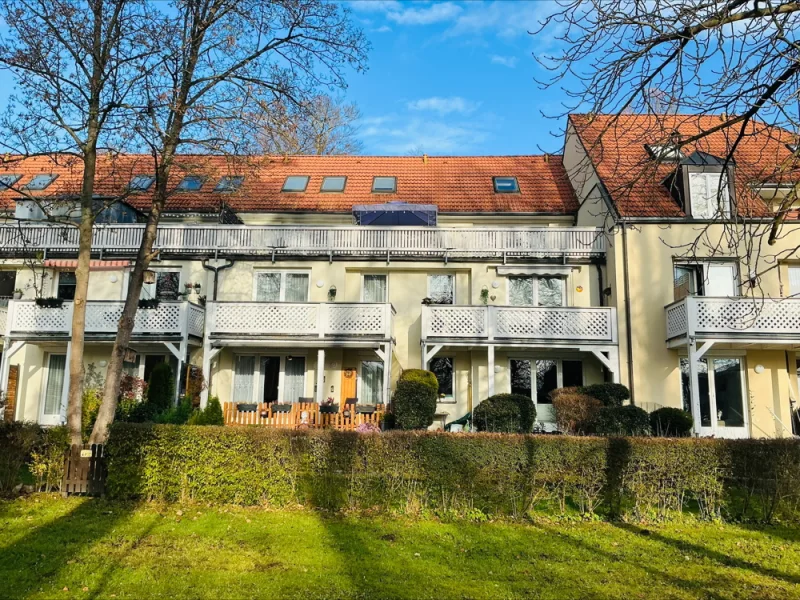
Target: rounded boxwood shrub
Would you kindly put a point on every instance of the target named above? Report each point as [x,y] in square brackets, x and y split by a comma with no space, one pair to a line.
[414,403]
[671,422]
[622,420]
[505,413]
[610,394]
[422,376]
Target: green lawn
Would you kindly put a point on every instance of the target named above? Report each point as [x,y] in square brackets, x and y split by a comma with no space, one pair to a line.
[93,549]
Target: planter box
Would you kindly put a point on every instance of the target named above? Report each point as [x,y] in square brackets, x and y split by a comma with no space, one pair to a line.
[281,408]
[329,409]
[246,407]
[365,409]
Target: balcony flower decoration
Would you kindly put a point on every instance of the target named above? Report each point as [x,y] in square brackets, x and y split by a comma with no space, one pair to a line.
[149,303]
[485,295]
[49,302]
[328,401]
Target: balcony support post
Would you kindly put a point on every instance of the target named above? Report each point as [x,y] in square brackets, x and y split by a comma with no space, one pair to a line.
[427,355]
[180,354]
[387,371]
[490,365]
[320,376]
[694,380]
[208,351]
[610,361]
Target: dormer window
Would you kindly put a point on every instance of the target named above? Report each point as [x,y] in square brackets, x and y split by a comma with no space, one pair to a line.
[709,195]
[664,152]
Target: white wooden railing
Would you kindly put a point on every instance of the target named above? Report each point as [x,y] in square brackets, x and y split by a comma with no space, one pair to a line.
[453,242]
[699,315]
[584,324]
[25,317]
[315,319]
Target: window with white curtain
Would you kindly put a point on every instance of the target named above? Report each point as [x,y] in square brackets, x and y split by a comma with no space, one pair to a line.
[709,195]
[281,286]
[371,382]
[294,378]
[374,288]
[542,290]
[442,289]
[794,281]
[54,389]
[244,379]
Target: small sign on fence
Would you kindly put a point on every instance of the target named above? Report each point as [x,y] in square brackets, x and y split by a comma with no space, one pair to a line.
[86,454]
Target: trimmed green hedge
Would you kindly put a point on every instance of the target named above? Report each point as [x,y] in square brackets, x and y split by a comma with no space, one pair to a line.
[464,474]
[414,401]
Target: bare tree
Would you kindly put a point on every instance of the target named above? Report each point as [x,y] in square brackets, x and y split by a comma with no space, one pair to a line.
[219,61]
[675,59]
[321,125]
[74,63]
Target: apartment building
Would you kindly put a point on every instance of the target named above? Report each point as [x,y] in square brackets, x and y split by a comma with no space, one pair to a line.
[319,279]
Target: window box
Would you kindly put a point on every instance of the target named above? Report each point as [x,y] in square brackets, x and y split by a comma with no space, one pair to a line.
[246,408]
[281,408]
[329,409]
[49,302]
[365,409]
[149,303]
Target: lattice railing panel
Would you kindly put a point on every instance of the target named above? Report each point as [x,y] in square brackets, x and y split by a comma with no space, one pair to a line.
[551,323]
[266,318]
[3,319]
[747,315]
[164,319]
[677,320]
[29,317]
[356,319]
[457,321]
[196,320]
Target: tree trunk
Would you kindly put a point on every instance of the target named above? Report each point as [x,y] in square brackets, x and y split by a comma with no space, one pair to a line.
[76,370]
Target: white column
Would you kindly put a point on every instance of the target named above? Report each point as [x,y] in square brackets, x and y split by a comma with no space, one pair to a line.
[490,366]
[387,372]
[65,390]
[320,376]
[210,318]
[694,385]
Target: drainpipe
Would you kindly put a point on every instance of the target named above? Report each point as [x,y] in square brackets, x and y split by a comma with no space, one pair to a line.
[628,334]
[216,271]
[601,298]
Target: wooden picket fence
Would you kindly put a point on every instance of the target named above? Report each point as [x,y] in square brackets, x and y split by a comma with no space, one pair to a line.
[84,471]
[302,415]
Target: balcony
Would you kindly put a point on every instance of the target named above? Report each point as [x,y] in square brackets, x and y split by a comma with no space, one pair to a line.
[763,320]
[519,324]
[170,320]
[329,242]
[327,321]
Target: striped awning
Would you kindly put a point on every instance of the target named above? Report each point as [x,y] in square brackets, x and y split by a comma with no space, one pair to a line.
[94,265]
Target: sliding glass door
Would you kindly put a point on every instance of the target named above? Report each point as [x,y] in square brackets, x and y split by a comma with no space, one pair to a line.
[721,386]
[54,390]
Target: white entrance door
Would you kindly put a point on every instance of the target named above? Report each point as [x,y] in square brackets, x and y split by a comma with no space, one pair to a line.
[722,392]
[52,403]
[721,280]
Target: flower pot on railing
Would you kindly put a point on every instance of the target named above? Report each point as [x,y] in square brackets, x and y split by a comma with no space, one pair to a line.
[242,407]
[49,302]
[149,303]
[365,409]
[281,408]
[329,409]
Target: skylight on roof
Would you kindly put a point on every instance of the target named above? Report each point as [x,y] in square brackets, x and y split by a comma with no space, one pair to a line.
[141,183]
[40,182]
[229,183]
[295,183]
[505,185]
[333,184]
[664,152]
[384,185]
[191,183]
[7,180]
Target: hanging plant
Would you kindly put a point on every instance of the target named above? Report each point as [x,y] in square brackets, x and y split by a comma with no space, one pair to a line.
[49,302]
[485,295]
[149,303]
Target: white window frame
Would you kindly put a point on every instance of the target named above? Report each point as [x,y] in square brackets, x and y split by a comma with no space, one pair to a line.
[535,278]
[700,267]
[559,360]
[359,378]
[452,399]
[715,177]
[283,274]
[452,276]
[57,281]
[43,392]
[258,375]
[793,268]
[384,275]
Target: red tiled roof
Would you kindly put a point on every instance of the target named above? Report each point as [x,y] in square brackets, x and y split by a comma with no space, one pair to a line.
[454,184]
[634,179]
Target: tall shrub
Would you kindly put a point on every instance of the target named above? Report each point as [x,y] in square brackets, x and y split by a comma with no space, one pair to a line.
[17,442]
[622,420]
[610,394]
[414,403]
[671,422]
[575,411]
[161,387]
[505,413]
[422,376]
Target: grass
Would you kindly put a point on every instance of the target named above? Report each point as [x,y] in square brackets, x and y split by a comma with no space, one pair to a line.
[76,548]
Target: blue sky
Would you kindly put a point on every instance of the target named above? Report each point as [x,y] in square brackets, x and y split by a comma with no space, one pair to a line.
[454,78]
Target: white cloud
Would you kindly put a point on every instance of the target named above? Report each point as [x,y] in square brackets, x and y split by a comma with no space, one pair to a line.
[401,136]
[443,106]
[506,19]
[382,29]
[506,61]
[375,5]
[436,13]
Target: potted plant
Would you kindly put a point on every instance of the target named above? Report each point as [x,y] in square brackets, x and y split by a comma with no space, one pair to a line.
[328,407]
[49,302]
[365,409]
[17,294]
[149,303]
[246,407]
[281,408]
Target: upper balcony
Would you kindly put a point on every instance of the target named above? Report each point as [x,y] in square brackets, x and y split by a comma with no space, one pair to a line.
[761,320]
[523,325]
[171,320]
[293,322]
[329,242]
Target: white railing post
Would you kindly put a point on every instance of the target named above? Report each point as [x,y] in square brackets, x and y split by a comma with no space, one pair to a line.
[491,321]
[323,323]
[210,320]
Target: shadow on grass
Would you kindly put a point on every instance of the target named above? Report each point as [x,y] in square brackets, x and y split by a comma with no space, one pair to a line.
[715,555]
[46,550]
